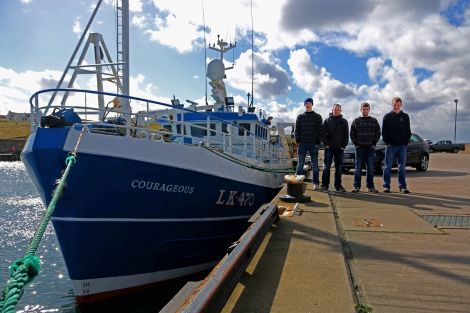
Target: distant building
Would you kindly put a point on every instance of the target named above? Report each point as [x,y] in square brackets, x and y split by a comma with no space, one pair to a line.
[17,117]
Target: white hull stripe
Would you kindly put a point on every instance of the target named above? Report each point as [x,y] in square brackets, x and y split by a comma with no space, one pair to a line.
[88,287]
[149,220]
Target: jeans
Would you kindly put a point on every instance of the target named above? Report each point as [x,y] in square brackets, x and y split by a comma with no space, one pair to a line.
[312,149]
[392,153]
[337,154]
[367,156]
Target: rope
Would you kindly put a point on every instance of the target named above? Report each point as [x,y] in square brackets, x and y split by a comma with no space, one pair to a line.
[24,270]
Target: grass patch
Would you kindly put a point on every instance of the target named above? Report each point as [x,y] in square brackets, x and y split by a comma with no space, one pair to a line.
[13,130]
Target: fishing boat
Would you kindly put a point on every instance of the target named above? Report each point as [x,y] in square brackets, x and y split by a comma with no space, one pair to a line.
[158,193]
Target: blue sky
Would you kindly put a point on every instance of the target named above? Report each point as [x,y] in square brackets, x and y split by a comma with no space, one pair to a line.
[335,51]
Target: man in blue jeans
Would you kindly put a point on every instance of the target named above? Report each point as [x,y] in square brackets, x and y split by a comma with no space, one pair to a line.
[365,133]
[335,136]
[308,137]
[396,133]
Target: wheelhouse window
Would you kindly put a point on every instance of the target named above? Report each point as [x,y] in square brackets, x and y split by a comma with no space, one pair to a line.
[261,132]
[178,129]
[241,130]
[201,130]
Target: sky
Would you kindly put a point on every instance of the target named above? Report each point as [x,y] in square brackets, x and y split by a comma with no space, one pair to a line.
[335,51]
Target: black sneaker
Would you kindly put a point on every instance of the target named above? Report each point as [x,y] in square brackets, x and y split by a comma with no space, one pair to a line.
[404,190]
[386,190]
[355,189]
[340,189]
[324,188]
[373,190]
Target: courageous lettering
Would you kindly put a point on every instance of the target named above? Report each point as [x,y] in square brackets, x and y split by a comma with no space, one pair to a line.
[158,186]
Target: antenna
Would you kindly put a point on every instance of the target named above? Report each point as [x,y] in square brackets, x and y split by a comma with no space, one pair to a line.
[252,53]
[205,49]
[233,51]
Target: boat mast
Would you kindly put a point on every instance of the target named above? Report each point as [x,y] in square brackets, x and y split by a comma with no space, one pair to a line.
[119,71]
[122,43]
[122,48]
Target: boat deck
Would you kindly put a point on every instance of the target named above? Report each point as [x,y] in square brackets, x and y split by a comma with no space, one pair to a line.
[379,243]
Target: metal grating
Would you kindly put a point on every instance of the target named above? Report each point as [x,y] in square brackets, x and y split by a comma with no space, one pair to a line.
[448,221]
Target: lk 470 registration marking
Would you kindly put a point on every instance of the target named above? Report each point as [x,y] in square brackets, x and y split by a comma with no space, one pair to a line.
[233,197]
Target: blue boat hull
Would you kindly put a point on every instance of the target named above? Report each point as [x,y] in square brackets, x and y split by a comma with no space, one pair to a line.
[123,223]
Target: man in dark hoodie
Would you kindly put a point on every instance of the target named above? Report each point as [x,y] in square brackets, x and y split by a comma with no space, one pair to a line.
[308,137]
[396,133]
[335,134]
[365,133]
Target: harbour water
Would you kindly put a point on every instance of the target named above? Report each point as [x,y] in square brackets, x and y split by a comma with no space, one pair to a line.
[21,210]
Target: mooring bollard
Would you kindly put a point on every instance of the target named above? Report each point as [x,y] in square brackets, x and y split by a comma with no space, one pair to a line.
[295,189]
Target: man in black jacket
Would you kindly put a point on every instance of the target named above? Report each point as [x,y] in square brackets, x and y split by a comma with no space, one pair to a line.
[365,133]
[308,137]
[396,133]
[335,138]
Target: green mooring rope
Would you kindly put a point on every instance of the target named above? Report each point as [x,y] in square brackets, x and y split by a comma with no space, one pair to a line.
[23,270]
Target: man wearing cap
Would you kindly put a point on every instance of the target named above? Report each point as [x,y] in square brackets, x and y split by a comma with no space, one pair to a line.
[308,127]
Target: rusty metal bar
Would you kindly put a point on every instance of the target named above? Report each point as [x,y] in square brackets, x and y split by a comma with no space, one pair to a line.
[213,292]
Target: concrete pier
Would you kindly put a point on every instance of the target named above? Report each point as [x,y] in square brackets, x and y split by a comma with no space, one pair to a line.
[341,249]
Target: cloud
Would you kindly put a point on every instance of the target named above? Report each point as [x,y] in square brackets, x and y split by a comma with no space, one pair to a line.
[17,88]
[317,80]
[77,27]
[140,21]
[323,15]
[26,1]
[270,79]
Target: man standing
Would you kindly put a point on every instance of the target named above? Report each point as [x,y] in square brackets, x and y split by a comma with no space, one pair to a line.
[396,133]
[308,137]
[335,138]
[365,133]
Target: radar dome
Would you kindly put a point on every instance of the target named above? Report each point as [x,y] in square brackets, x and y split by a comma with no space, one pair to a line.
[216,69]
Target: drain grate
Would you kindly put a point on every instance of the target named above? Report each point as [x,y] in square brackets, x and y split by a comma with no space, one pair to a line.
[448,221]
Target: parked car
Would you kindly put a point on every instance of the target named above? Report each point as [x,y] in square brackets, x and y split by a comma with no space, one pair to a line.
[417,155]
[446,146]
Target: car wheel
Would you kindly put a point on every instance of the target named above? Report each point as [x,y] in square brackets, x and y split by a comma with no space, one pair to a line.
[455,150]
[423,163]
[346,170]
[431,150]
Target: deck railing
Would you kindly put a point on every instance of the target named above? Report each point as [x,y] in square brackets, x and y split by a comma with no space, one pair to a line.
[161,121]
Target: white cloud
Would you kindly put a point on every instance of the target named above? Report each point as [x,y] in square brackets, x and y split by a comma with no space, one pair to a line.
[317,80]
[77,27]
[135,5]
[270,79]
[26,1]
[17,88]
[139,21]
[174,32]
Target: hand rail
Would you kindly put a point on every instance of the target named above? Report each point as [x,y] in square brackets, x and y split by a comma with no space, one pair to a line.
[259,148]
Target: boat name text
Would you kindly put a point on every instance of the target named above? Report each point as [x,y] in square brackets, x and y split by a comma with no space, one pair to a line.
[151,185]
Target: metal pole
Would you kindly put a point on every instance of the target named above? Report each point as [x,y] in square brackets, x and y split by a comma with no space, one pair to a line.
[85,31]
[455,123]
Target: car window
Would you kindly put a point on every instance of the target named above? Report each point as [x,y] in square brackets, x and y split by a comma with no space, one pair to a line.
[414,138]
